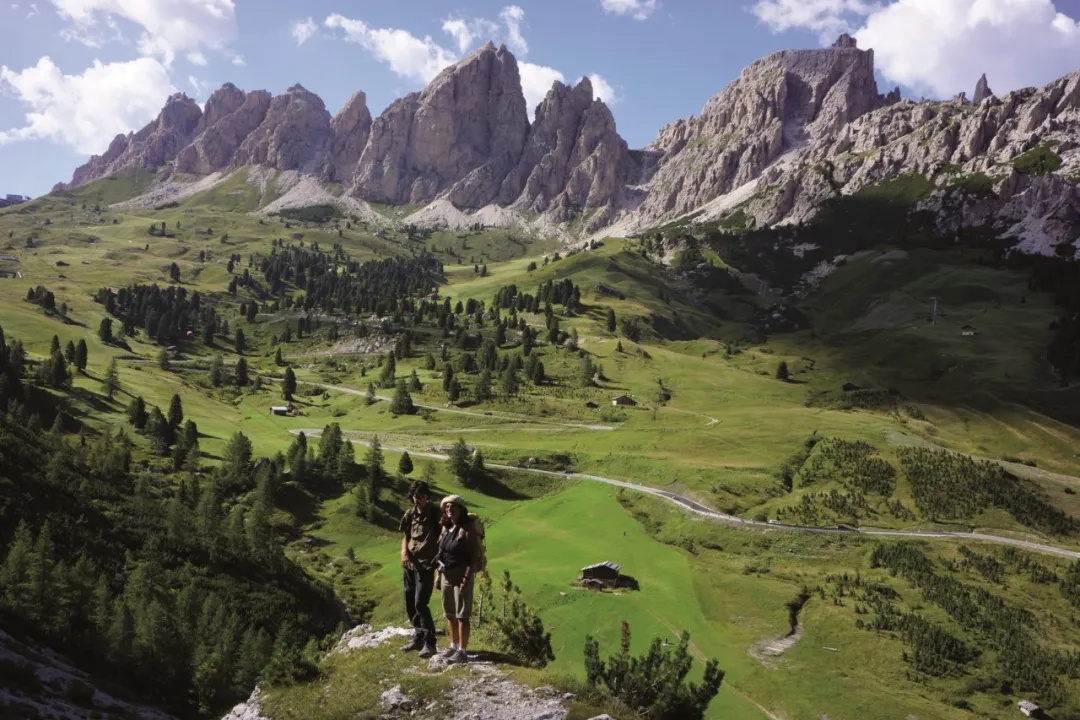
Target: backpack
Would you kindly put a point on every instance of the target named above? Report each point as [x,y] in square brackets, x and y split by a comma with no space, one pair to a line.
[478,529]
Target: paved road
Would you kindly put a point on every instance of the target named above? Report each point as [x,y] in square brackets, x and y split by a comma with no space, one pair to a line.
[697,508]
[475,413]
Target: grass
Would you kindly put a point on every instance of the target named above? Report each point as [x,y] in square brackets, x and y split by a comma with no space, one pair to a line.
[721,437]
[1039,160]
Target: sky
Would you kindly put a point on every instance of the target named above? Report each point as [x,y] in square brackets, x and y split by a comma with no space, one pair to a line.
[74,73]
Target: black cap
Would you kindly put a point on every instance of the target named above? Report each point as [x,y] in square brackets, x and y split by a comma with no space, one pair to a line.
[419,487]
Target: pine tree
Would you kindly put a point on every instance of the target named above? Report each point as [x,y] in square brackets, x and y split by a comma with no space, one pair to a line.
[405,464]
[414,383]
[217,371]
[111,381]
[521,631]
[277,358]
[288,384]
[54,346]
[159,431]
[459,460]
[482,391]
[240,342]
[163,359]
[429,362]
[252,309]
[136,413]
[240,373]
[402,403]
[69,352]
[371,398]
[176,412]
[611,320]
[508,385]
[105,331]
[782,371]
[81,355]
[447,377]
[387,377]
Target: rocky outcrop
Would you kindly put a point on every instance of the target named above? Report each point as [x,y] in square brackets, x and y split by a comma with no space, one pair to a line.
[574,159]
[291,135]
[349,131]
[151,147]
[231,115]
[982,90]
[777,104]
[466,130]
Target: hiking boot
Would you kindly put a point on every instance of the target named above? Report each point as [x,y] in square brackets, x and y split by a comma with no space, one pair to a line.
[449,653]
[427,652]
[460,657]
[414,644]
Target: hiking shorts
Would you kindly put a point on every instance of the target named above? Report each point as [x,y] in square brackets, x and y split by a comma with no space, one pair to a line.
[457,601]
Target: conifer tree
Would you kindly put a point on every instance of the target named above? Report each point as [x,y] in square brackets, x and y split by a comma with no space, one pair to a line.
[402,403]
[611,320]
[81,355]
[459,460]
[239,341]
[217,371]
[482,391]
[414,383]
[782,371]
[387,378]
[69,352]
[288,384]
[111,380]
[371,398]
[405,464]
[240,373]
[176,412]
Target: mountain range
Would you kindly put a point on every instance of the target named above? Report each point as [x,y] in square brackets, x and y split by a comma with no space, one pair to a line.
[795,129]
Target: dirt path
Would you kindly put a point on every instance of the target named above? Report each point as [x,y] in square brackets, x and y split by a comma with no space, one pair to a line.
[708,513]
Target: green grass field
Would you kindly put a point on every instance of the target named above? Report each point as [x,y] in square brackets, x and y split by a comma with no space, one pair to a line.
[721,437]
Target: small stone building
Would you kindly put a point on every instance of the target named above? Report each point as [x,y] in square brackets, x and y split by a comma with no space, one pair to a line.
[967,331]
[605,574]
[623,401]
[1030,709]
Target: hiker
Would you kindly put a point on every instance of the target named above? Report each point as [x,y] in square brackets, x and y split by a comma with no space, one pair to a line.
[419,545]
[459,560]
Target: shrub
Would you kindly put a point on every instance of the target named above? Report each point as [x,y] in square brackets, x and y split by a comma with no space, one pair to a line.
[520,630]
[654,685]
[1039,160]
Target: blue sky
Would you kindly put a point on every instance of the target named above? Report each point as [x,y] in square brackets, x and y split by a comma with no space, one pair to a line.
[73,73]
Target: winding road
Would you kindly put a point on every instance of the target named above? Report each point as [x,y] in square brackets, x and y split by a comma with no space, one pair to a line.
[734,521]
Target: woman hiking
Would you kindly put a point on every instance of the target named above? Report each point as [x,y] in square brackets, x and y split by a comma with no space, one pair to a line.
[458,562]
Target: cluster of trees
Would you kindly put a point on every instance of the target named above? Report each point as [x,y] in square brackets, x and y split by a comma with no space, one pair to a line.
[42,297]
[168,431]
[564,292]
[173,585]
[165,314]
[12,367]
[946,485]
[855,465]
[55,372]
[1022,661]
[335,282]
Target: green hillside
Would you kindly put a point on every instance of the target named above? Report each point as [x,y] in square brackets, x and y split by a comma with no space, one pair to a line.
[848,404]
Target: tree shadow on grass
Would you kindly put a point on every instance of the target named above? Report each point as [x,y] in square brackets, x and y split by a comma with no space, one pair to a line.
[492,486]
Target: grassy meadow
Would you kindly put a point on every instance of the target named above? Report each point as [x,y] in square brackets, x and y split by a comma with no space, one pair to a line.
[720,431]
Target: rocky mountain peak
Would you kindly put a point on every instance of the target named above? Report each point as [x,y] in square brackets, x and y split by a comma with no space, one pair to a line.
[982,90]
[291,135]
[349,131]
[845,41]
[465,130]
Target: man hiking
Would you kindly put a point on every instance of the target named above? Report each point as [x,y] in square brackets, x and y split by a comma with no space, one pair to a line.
[420,528]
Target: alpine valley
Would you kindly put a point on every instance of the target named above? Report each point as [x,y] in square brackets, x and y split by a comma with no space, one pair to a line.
[774,418]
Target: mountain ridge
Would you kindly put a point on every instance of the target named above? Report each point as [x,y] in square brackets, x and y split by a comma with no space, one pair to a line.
[794,129]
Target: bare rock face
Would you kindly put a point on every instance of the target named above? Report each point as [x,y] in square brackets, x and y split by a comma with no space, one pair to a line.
[151,147]
[982,90]
[349,132]
[777,104]
[231,115]
[466,129]
[574,160]
[291,135]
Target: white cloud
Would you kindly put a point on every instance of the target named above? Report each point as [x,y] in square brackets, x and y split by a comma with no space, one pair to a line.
[416,58]
[513,16]
[536,81]
[604,90]
[466,33]
[827,18]
[200,87]
[941,48]
[86,111]
[302,30]
[196,58]
[637,9]
[169,26]
[238,60]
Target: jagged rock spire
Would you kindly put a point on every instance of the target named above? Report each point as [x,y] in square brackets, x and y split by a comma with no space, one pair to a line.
[982,90]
